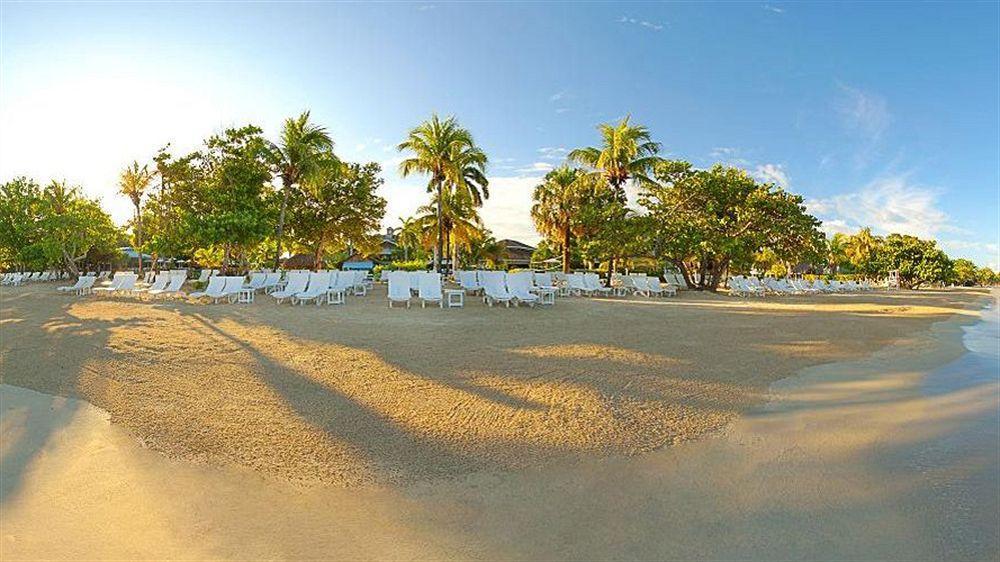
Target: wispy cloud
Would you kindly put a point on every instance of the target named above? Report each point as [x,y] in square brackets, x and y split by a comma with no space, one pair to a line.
[729,155]
[773,9]
[558,95]
[643,23]
[863,113]
[561,110]
[553,152]
[890,204]
[535,168]
[774,173]
[425,7]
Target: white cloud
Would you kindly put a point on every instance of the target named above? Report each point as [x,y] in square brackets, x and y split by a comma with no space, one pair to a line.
[772,173]
[536,168]
[507,213]
[553,152]
[562,110]
[865,114]
[887,205]
[558,95]
[773,9]
[647,24]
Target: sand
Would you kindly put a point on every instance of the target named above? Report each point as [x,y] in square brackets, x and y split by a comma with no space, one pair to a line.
[361,395]
[879,455]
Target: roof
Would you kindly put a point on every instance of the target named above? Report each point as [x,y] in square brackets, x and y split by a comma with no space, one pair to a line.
[515,245]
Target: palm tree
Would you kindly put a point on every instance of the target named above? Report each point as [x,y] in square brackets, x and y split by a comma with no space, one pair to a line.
[557,202]
[859,248]
[133,183]
[627,153]
[456,217]
[446,152]
[303,145]
[408,237]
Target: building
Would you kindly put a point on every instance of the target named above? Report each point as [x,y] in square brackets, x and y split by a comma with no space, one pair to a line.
[518,253]
[389,244]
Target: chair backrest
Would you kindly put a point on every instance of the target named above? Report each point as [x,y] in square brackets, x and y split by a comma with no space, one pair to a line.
[520,282]
[591,281]
[233,283]
[319,281]
[87,281]
[272,279]
[297,281]
[176,282]
[399,285]
[430,285]
[203,276]
[495,282]
[159,282]
[128,282]
[575,281]
[654,284]
[467,279]
[215,285]
[257,280]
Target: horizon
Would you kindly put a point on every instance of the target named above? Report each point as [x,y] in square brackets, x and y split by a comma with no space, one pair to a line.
[879,116]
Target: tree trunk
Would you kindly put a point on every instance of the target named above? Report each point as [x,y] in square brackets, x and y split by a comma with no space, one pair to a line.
[565,249]
[225,259]
[318,258]
[286,185]
[138,237]
[440,229]
[70,264]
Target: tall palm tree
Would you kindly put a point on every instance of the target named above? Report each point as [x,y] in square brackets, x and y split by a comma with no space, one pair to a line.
[408,236]
[627,153]
[557,201]
[446,152]
[133,183]
[303,145]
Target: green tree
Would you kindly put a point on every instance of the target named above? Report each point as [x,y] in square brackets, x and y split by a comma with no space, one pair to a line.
[964,273]
[706,222]
[918,261]
[20,217]
[457,217]
[72,226]
[134,183]
[557,208]
[447,153]
[986,277]
[230,203]
[627,153]
[303,145]
[337,207]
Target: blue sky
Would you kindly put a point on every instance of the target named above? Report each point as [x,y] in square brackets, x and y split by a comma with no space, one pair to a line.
[881,114]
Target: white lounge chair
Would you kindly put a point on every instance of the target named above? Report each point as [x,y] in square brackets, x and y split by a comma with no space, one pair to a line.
[173,288]
[257,280]
[593,283]
[319,284]
[659,290]
[520,285]
[82,286]
[468,281]
[430,289]
[399,287]
[575,285]
[297,281]
[495,288]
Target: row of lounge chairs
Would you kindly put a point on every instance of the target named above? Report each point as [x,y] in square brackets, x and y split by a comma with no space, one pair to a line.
[316,286]
[742,286]
[19,278]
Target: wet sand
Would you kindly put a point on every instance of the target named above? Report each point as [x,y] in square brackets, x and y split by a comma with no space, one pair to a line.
[881,457]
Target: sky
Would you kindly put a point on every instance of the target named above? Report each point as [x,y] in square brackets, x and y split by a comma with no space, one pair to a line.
[879,114]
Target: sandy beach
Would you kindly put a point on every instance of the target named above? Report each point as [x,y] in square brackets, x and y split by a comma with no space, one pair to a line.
[627,429]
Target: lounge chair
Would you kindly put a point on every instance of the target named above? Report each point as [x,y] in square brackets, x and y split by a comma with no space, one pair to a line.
[575,285]
[399,287]
[116,282]
[658,289]
[159,283]
[319,284]
[520,285]
[173,287]
[82,286]
[468,281]
[257,281]
[593,283]
[430,289]
[297,281]
[495,288]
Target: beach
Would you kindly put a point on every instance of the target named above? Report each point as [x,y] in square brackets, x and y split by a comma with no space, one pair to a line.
[695,427]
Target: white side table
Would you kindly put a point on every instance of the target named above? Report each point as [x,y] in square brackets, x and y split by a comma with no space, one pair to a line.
[335,296]
[454,298]
[546,296]
[245,296]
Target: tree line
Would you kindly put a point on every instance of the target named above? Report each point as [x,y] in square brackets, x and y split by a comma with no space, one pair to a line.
[243,201]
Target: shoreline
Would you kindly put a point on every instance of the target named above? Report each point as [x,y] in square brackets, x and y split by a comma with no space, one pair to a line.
[780,480]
